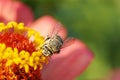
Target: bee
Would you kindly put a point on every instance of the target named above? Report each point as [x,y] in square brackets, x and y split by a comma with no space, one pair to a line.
[52,45]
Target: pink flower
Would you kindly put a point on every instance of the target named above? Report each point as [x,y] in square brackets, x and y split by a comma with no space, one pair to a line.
[71,61]
[15,11]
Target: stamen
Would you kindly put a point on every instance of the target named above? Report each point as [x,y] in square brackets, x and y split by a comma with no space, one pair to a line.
[20,53]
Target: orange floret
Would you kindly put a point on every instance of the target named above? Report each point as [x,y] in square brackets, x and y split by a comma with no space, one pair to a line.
[21,55]
[18,41]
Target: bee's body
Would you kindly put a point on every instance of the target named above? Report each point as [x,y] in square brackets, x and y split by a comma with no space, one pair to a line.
[52,45]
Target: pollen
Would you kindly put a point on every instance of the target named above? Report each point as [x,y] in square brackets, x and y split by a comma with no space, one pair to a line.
[20,52]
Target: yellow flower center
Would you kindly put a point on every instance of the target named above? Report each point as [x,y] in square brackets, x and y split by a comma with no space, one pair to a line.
[20,46]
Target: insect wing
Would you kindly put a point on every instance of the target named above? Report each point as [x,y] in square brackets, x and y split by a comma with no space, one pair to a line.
[68,42]
[56,29]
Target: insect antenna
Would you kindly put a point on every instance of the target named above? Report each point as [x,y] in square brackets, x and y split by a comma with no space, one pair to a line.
[56,29]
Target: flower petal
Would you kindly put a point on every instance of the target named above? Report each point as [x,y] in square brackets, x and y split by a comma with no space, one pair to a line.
[114,75]
[47,25]
[15,11]
[70,63]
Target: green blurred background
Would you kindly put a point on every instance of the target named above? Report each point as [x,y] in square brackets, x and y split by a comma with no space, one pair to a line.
[96,22]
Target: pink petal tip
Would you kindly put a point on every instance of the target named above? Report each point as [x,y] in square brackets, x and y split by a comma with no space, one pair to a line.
[70,63]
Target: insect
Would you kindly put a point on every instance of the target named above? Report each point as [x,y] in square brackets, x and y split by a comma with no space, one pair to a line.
[54,43]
